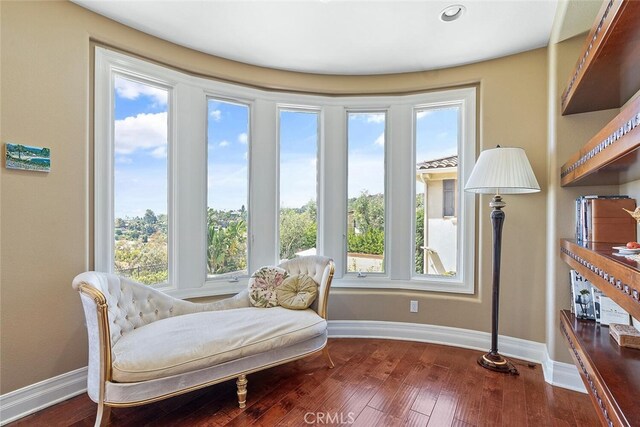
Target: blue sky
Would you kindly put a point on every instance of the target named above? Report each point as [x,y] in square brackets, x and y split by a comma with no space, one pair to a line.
[436,133]
[141,150]
[140,128]
[366,141]
[298,157]
[227,158]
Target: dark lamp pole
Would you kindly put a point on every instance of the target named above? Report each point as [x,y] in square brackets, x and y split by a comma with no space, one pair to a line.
[500,171]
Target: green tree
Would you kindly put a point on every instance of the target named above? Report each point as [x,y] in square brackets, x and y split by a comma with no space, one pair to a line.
[227,242]
[368,211]
[298,231]
[150,217]
[20,149]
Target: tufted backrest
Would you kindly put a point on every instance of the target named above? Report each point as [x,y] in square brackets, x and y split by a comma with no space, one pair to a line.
[132,305]
[320,268]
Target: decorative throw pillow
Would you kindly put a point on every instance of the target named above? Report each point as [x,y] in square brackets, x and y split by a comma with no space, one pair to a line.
[297,292]
[263,284]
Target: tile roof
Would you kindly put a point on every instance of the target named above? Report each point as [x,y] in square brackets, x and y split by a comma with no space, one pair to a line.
[445,162]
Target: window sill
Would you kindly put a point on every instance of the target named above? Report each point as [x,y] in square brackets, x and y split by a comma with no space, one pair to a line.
[220,288]
[369,282]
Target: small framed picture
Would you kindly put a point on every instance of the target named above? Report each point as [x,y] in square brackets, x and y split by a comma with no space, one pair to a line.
[27,157]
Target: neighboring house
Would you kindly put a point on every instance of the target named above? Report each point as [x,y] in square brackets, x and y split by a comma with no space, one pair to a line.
[439,179]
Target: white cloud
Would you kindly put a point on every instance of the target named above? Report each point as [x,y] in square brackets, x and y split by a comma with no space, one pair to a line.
[375,117]
[123,160]
[243,138]
[380,140]
[224,143]
[246,155]
[141,132]
[216,115]
[129,89]
[423,113]
[160,152]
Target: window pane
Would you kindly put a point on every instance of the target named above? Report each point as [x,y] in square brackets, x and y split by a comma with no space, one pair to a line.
[227,188]
[140,181]
[366,178]
[436,234]
[298,183]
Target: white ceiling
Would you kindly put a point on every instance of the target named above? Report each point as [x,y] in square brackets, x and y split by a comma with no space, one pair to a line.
[341,37]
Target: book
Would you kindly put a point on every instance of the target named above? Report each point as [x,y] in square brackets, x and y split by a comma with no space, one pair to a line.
[611,312]
[582,302]
[595,297]
[625,335]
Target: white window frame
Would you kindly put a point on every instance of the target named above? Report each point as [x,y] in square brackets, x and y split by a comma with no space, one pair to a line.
[465,202]
[188,177]
[231,278]
[357,274]
[319,143]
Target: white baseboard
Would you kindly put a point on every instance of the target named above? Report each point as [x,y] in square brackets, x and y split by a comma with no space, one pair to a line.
[565,375]
[556,373]
[32,398]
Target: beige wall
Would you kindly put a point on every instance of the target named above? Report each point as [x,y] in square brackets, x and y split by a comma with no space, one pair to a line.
[45,218]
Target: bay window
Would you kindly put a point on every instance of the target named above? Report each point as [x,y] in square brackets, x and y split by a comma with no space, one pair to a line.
[198,182]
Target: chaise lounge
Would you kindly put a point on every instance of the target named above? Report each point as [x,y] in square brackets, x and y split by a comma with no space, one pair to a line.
[146,346]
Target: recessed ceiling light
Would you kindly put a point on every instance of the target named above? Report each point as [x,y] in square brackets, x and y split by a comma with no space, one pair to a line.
[452,13]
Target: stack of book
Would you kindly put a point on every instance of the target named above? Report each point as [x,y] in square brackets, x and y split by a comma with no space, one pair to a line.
[602,219]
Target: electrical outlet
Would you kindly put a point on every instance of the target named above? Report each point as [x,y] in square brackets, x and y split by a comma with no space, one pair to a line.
[413,307]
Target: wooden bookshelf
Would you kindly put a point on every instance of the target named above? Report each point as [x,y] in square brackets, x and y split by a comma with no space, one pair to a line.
[617,276]
[610,157]
[607,73]
[610,373]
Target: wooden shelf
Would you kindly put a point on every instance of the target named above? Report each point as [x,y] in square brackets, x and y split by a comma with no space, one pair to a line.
[607,73]
[610,157]
[610,373]
[617,276]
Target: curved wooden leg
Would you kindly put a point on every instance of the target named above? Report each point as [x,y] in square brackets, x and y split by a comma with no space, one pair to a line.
[242,390]
[325,351]
[102,417]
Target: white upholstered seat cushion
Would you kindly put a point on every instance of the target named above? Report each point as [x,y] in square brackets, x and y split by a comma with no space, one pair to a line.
[186,343]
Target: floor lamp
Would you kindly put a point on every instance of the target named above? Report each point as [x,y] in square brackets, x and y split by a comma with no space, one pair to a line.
[500,171]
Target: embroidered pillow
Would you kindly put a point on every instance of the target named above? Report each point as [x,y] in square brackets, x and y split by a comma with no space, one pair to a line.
[263,284]
[297,292]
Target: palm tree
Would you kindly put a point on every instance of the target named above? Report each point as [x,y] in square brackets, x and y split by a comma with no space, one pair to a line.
[20,149]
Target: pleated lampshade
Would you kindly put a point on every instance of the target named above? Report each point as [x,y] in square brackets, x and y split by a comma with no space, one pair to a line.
[502,170]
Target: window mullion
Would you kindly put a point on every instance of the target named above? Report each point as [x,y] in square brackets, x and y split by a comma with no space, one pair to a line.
[188,187]
[264,186]
[399,200]
[333,187]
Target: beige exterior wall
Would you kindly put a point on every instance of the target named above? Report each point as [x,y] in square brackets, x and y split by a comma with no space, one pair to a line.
[46,218]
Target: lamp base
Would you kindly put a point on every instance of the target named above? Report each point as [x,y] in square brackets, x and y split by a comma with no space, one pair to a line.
[495,362]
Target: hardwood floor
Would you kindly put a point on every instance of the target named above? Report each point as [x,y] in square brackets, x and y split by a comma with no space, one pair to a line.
[375,383]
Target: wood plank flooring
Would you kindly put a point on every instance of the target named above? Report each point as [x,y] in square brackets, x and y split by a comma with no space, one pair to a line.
[375,383]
